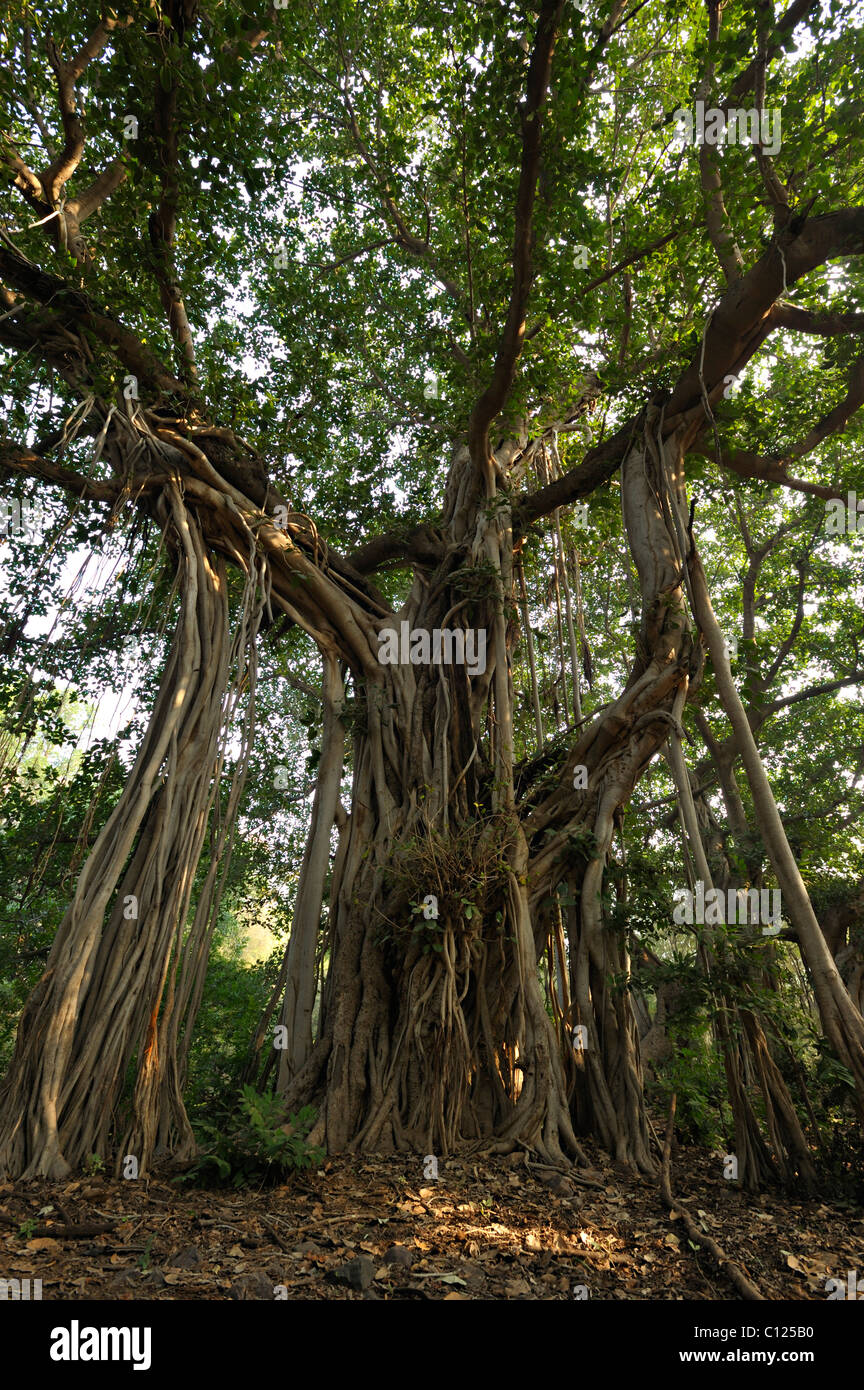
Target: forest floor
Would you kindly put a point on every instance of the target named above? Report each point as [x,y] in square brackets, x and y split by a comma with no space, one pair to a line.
[375,1228]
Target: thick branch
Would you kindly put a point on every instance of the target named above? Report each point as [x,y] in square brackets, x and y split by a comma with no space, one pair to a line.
[25,179]
[738,326]
[420,546]
[15,459]
[65,300]
[836,419]
[774,467]
[821,323]
[742,319]
[163,224]
[510,343]
[101,188]
[61,169]
[785,26]
[596,467]
[771,470]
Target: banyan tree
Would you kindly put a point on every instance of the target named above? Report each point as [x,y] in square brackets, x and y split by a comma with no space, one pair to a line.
[354,305]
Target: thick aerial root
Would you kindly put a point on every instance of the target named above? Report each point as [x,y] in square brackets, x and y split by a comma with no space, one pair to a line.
[441,1077]
[97,1006]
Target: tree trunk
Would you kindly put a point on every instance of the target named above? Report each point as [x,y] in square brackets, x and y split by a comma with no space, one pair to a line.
[435,1030]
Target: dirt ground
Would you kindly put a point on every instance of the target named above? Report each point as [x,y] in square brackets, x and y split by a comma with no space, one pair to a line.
[378,1229]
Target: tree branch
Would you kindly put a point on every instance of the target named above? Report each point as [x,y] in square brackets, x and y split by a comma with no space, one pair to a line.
[856,678]
[101,188]
[785,26]
[492,400]
[162,223]
[788,642]
[64,300]
[716,217]
[777,194]
[771,470]
[822,323]
[595,468]
[60,170]
[742,320]
[25,179]
[421,546]
[738,326]
[836,419]
[629,260]
[402,235]
[16,459]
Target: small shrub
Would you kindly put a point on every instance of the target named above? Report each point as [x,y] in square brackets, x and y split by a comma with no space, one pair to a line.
[264,1146]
